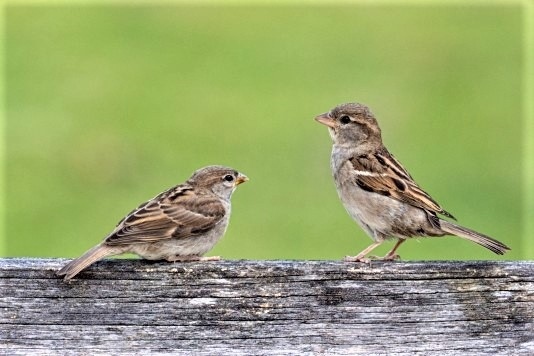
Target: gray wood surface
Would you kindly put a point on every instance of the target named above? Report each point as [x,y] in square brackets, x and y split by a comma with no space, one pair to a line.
[268,308]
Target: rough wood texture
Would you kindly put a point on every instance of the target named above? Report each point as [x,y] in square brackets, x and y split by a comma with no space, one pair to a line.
[268,307]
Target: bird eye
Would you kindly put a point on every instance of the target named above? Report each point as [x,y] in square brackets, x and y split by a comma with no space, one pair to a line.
[344,119]
[228,178]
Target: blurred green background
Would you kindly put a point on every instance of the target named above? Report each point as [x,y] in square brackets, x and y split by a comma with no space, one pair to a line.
[109,105]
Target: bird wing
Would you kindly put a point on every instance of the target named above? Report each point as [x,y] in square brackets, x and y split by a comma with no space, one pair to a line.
[176,213]
[381,173]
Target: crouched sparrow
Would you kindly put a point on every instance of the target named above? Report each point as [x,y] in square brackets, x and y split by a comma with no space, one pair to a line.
[180,224]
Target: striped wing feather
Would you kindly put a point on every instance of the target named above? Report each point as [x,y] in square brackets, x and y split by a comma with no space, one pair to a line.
[176,213]
[381,173]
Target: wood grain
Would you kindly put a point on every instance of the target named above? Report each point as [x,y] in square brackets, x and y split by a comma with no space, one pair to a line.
[268,307]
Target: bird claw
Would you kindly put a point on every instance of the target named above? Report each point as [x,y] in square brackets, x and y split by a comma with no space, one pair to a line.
[393,257]
[210,258]
[193,258]
[388,257]
[362,259]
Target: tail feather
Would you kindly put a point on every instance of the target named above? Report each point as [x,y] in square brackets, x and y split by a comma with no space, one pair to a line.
[77,265]
[476,237]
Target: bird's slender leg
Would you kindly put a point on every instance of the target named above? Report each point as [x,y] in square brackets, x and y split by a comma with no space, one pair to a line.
[361,256]
[391,255]
[192,258]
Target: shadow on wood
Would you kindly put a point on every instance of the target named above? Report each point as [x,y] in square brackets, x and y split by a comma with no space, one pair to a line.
[268,307]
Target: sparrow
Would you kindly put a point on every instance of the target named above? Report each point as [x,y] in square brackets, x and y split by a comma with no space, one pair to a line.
[378,192]
[179,224]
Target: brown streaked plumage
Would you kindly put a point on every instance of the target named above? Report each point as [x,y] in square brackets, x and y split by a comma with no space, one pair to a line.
[378,192]
[179,224]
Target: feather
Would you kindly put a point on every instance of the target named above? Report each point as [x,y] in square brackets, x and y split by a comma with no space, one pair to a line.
[383,174]
[168,216]
[75,266]
[476,237]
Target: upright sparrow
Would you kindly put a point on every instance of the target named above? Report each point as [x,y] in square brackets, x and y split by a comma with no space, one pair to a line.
[378,192]
[180,224]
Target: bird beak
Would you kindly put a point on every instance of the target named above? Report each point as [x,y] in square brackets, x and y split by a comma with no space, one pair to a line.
[325,119]
[241,179]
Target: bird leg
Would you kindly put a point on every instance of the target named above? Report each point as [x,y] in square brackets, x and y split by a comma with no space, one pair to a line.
[361,256]
[192,258]
[391,255]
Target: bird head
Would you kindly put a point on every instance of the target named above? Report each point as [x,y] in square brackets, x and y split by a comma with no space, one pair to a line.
[351,124]
[219,179]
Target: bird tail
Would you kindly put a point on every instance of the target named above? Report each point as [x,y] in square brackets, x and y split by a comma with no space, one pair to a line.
[478,238]
[77,265]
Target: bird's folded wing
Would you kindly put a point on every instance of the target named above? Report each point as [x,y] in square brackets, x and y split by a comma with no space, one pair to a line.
[381,173]
[168,216]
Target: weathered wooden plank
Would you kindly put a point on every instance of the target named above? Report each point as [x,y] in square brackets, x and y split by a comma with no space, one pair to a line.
[268,307]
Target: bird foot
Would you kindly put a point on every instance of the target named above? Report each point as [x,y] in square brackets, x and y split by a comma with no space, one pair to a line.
[388,257]
[193,258]
[358,258]
[363,259]
[210,258]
